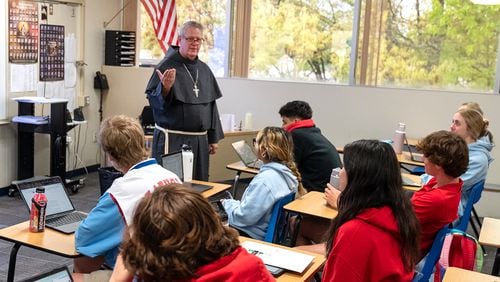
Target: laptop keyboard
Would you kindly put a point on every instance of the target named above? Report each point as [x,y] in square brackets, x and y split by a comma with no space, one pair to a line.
[66,219]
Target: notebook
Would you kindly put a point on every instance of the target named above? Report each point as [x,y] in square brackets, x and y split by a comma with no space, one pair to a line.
[246,154]
[60,274]
[173,162]
[416,157]
[60,213]
[279,257]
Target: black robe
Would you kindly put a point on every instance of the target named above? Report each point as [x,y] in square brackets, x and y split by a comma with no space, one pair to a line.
[182,110]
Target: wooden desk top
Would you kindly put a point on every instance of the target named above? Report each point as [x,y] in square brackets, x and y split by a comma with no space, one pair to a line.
[218,187]
[289,276]
[49,241]
[489,232]
[454,274]
[239,166]
[313,204]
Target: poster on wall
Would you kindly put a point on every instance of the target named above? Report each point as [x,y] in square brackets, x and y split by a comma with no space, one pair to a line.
[51,52]
[23,32]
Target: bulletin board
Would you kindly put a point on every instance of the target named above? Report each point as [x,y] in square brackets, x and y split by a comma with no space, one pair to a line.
[43,41]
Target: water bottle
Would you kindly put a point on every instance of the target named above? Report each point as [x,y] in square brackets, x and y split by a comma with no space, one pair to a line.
[334,178]
[398,138]
[38,209]
[187,163]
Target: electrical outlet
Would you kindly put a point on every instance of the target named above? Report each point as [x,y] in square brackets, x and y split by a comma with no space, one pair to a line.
[87,100]
[68,140]
[94,137]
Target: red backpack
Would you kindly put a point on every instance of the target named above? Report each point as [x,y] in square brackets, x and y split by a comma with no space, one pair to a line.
[459,250]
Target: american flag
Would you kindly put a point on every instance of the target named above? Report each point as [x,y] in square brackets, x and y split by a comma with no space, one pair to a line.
[164,18]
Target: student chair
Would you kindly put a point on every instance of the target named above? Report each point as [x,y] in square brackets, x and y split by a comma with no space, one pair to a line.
[474,197]
[277,229]
[432,257]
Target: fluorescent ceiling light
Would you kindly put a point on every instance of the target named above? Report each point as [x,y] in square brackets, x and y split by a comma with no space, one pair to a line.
[486,2]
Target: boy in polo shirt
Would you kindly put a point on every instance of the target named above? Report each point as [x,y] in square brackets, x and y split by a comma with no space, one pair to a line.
[445,158]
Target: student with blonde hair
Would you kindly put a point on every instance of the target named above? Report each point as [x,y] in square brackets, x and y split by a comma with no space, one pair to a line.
[277,178]
[469,124]
[176,235]
[100,234]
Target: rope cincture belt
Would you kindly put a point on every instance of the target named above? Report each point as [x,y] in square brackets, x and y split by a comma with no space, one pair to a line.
[180,132]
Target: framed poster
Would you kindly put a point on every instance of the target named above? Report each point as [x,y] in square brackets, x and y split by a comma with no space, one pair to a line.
[23,32]
[51,52]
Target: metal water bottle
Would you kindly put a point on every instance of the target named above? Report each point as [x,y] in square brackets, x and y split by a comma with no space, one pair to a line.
[398,138]
[38,209]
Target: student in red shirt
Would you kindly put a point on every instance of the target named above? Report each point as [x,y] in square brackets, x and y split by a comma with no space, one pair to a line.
[176,235]
[375,234]
[446,157]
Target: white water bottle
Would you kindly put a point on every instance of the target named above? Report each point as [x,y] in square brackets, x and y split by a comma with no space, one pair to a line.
[187,163]
[398,138]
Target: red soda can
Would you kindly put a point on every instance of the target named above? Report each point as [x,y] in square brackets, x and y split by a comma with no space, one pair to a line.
[38,208]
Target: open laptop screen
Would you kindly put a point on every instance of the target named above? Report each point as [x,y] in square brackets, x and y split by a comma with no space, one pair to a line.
[245,152]
[173,162]
[60,274]
[58,200]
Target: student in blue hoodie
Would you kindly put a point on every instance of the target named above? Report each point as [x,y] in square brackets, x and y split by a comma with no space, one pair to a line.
[469,124]
[277,178]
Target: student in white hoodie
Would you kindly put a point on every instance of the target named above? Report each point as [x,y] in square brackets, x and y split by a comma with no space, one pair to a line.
[277,178]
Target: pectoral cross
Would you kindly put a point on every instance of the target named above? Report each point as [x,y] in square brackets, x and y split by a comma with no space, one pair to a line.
[196,90]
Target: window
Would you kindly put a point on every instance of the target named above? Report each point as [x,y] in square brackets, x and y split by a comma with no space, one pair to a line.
[212,14]
[301,40]
[429,44]
[436,44]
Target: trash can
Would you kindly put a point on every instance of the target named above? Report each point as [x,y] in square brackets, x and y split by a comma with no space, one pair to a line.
[106,177]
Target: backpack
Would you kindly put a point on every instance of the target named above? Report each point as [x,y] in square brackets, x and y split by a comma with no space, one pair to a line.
[451,247]
[459,250]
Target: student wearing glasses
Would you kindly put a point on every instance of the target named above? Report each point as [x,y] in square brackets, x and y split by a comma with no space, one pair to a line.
[182,92]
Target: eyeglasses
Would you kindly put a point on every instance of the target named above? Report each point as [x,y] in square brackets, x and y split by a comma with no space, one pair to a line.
[194,39]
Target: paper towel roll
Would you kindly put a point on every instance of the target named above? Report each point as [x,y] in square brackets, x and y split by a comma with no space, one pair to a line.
[248,122]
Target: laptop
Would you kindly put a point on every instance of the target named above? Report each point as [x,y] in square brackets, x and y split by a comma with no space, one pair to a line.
[246,154]
[60,274]
[408,182]
[173,162]
[414,156]
[60,213]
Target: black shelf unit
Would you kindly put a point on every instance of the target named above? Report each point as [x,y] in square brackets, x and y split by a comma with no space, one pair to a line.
[56,127]
[119,48]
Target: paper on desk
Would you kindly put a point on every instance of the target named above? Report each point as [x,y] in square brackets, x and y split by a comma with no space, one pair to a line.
[279,257]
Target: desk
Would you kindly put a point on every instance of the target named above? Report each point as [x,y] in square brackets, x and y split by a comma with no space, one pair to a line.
[317,263]
[58,243]
[454,274]
[49,241]
[239,167]
[217,188]
[313,204]
[489,236]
